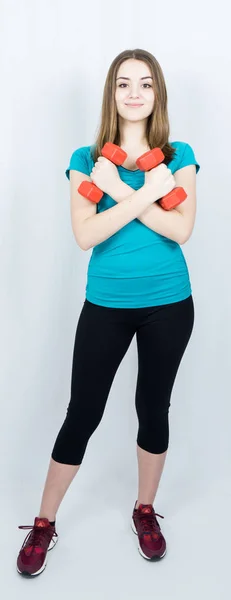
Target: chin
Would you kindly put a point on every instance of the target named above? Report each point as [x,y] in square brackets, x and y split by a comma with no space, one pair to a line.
[128,115]
[132,117]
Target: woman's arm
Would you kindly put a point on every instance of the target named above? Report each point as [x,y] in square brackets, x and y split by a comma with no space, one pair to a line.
[176,224]
[101,226]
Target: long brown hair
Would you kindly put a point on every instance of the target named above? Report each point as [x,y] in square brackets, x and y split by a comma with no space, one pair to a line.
[158,122]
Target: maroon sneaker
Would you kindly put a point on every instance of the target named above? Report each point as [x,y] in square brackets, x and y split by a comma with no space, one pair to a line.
[31,560]
[152,544]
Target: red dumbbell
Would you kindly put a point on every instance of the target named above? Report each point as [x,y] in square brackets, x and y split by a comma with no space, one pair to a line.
[145,162]
[114,153]
[152,159]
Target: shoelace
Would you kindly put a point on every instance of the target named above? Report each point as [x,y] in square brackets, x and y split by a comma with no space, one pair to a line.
[36,534]
[148,522]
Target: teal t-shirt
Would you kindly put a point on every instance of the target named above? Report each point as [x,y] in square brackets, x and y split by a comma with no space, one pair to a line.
[136,267]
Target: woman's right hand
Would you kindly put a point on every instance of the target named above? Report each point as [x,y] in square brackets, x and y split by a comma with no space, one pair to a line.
[160,181]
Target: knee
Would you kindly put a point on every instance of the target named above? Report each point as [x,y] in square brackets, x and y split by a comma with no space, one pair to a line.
[72,439]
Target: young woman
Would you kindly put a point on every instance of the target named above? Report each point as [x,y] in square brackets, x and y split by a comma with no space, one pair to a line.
[137,284]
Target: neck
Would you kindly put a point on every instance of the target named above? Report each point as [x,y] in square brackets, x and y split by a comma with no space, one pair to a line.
[132,133]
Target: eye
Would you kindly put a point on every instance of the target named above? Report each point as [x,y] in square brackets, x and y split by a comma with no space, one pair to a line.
[122,84]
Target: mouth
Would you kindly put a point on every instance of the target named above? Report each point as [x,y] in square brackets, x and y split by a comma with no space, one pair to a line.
[134,105]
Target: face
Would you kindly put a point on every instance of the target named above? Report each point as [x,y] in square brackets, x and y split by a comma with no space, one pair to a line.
[134,90]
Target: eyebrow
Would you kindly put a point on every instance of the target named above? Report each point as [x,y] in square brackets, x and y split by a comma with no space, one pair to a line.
[148,77]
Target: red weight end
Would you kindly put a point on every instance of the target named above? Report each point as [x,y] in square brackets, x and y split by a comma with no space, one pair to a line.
[90,191]
[173,199]
[150,159]
[114,153]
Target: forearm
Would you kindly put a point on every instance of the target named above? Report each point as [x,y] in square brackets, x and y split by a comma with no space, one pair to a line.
[100,227]
[170,224]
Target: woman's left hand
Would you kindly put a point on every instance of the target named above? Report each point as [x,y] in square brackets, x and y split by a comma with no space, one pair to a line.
[105,175]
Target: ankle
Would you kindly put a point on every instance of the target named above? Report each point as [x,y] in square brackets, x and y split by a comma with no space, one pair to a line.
[138,502]
[51,519]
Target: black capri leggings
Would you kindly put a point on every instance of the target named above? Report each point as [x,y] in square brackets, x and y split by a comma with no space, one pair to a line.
[102,338]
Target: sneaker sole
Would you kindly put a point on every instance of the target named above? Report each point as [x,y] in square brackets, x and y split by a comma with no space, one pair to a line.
[154,558]
[52,544]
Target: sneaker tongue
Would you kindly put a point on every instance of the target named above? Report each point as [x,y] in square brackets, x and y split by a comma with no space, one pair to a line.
[41,522]
[145,508]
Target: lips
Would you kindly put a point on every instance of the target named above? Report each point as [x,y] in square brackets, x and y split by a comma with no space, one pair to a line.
[134,105]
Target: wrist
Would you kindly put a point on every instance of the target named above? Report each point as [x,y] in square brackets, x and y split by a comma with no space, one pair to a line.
[148,187]
[121,190]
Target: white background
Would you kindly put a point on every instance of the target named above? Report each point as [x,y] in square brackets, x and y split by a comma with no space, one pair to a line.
[54,59]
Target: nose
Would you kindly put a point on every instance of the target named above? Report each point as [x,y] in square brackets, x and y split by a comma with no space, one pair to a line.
[134,90]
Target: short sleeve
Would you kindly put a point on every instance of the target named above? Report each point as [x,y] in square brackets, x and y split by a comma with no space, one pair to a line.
[78,162]
[188,158]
